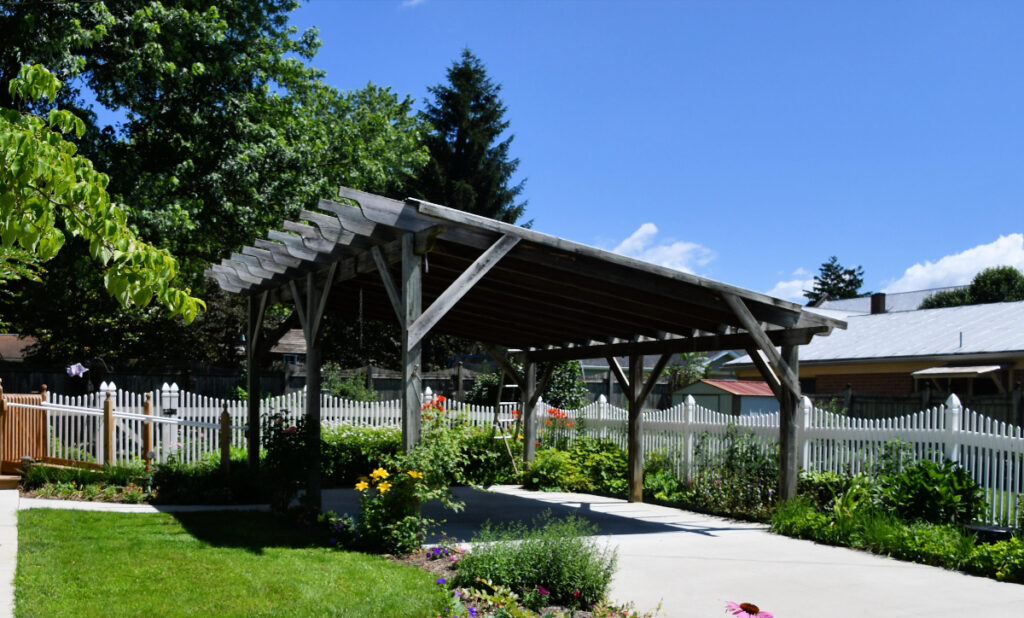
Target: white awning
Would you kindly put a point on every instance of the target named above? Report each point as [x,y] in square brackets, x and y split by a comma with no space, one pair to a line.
[972,371]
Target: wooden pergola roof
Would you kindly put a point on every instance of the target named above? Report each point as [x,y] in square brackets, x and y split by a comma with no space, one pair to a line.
[554,298]
[443,270]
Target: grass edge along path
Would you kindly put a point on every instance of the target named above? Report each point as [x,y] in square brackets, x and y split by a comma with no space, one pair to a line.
[87,563]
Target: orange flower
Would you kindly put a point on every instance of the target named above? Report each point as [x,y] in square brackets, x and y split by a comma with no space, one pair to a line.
[515,413]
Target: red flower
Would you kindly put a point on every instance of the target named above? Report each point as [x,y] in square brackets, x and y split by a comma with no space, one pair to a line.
[515,413]
[440,399]
[291,429]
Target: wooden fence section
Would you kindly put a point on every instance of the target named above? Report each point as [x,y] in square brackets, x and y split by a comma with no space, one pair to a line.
[22,431]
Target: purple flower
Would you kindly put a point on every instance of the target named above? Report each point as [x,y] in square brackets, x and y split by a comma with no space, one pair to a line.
[472,612]
[543,590]
[442,581]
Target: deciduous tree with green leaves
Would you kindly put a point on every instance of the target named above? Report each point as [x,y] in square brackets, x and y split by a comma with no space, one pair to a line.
[45,182]
[998,284]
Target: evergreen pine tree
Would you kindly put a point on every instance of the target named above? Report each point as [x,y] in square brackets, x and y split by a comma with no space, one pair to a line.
[836,282]
[469,168]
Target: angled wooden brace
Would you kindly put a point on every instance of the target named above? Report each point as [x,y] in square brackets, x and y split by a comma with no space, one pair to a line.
[779,367]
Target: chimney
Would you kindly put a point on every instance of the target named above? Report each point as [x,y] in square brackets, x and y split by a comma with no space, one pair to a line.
[878,303]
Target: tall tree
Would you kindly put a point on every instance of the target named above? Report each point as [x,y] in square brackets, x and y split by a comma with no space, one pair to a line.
[469,168]
[226,130]
[992,285]
[836,282]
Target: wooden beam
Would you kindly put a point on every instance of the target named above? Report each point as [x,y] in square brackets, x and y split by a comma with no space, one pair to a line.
[775,360]
[389,284]
[653,378]
[766,371]
[506,365]
[257,306]
[465,282]
[616,369]
[704,343]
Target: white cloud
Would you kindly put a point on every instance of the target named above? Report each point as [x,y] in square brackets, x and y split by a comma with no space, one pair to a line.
[679,255]
[793,289]
[960,268]
[411,3]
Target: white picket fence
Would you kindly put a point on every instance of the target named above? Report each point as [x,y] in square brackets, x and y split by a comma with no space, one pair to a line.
[186,425]
[992,452]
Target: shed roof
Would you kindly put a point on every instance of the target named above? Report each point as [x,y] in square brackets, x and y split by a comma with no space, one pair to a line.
[992,330]
[757,388]
[551,297]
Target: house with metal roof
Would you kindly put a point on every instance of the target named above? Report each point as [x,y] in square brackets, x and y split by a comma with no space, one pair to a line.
[972,350]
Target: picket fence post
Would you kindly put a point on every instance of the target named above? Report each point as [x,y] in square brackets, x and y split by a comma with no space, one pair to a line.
[108,429]
[689,407]
[803,421]
[147,432]
[954,411]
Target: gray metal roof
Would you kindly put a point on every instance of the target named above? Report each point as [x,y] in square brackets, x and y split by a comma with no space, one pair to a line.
[991,329]
[899,301]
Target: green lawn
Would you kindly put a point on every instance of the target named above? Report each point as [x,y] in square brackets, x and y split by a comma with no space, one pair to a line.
[83,563]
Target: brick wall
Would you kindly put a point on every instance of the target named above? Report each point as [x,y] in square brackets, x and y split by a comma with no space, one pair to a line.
[873,383]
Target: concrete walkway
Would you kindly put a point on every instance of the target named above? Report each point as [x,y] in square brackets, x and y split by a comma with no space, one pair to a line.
[688,563]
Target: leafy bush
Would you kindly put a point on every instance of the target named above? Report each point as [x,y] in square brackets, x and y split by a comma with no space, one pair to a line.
[822,488]
[484,391]
[553,556]
[931,492]
[487,458]
[553,470]
[738,479]
[347,452]
[566,388]
[945,545]
[389,518]
[204,483]
[353,387]
[285,466]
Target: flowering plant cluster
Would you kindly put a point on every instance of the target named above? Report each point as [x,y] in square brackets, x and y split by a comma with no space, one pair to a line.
[746,610]
[433,408]
[389,519]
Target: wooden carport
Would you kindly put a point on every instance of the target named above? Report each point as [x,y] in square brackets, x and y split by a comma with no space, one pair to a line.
[515,290]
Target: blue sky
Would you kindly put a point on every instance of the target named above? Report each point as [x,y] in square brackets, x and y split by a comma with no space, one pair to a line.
[745,142]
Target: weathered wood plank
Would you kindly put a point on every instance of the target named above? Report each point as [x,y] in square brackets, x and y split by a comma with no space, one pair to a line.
[777,363]
[389,284]
[458,288]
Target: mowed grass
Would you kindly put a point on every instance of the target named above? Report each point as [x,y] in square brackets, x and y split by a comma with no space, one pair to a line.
[82,563]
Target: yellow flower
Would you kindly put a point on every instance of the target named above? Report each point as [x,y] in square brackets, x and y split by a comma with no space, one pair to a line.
[362,485]
[384,487]
[520,436]
[379,473]
[414,474]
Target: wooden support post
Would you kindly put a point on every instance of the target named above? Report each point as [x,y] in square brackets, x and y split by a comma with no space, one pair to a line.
[108,430]
[412,301]
[529,418]
[789,461]
[147,432]
[256,309]
[313,492]
[225,441]
[635,439]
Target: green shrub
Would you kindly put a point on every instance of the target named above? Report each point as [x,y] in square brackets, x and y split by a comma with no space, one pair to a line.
[554,555]
[204,483]
[553,470]
[487,458]
[1003,560]
[660,480]
[353,387]
[798,518]
[738,479]
[822,488]
[931,492]
[347,452]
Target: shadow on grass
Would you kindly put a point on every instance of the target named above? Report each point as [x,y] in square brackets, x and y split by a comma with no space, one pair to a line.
[249,530]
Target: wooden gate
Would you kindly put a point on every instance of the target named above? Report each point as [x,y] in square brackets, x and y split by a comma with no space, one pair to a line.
[22,430]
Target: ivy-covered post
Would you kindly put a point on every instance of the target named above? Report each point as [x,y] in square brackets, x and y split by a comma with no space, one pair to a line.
[225,441]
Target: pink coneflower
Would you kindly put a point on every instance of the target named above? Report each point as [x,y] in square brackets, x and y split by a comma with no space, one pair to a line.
[746,610]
